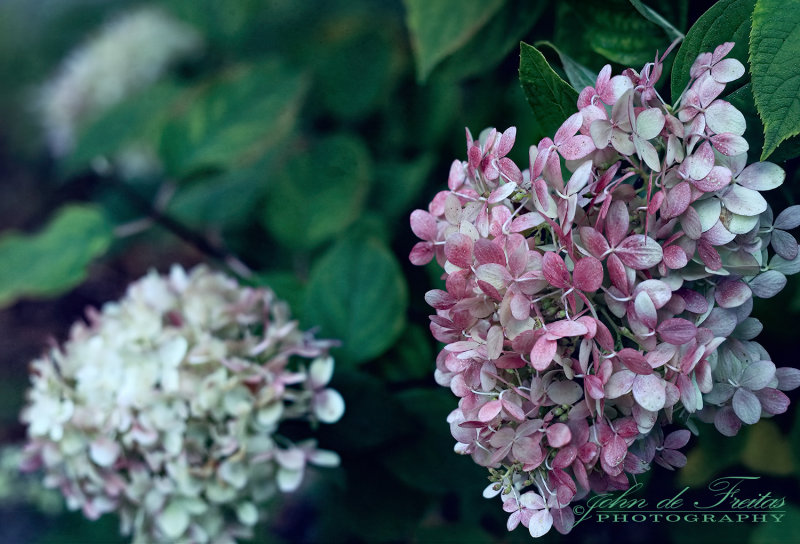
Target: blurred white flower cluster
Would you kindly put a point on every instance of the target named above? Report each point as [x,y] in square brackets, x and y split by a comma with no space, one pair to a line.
[166,407]
[126,55]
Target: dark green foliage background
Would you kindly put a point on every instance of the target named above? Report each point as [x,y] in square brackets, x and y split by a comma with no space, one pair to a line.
[300,142]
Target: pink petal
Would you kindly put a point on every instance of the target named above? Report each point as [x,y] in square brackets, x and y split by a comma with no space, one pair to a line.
[732,294]
[617,223]
[576,147]
[568,128]
[699,164]
[457,175]
[762,176]
[695,302]
[727,70]
[650,392]
[649,123]
[594,242]
[588,274]
[423,224]
[526,221]
[743,201]
[677,331]
[555,270]
[726,422]
[617,274]
[490,410]
[635,361]
[506,141]
[487,252]
[421,253]
[676,201]
[510,170]
[458,250]
[440,300]
[675,258]
[639,252]
[565,328]
[620,383]
[730,144]
[722,117]
[543,352]
[718,178]
[614,451]
[540,523]
[502,192]
[594,387]
[558,435]
[677,439]
[772,400]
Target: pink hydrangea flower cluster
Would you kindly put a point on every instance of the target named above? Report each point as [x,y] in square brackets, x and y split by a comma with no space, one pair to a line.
[167,408]
[604,292]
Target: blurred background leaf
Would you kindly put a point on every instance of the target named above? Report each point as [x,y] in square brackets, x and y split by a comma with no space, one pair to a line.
[54,259]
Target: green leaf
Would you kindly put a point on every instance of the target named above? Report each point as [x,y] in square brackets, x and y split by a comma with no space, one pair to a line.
[286,286]
[372,416]
[618,33]
[779,533]
[227,200]
[356,64]
[654,17]
[725,21]
[712,454]
[411,359]
[578,75]
[55,259]
[551,98]
[777,459]
[234,120]
[774,49]
[319,193]
[495,41]
[398,184]
[428,462]
[136,121]
[357,294]
[438,29]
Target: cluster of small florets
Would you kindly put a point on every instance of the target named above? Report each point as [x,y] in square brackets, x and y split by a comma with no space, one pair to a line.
[166,408]
[581,317]
[128,54]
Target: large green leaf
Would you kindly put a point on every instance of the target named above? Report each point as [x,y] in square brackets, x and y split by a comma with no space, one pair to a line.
[355,64]
[319,193]
[551,98]
[135,121]
[411,359]
[234,120]
[357,294]
[779,533]
[438,29]
[777,459]
[742,99]
[725,21]
[774,49]
[55,259]
[398,184]
[427,461]
[654,17]
[226,200]
[372,418]
[578,75]
[615,30]
[495,41]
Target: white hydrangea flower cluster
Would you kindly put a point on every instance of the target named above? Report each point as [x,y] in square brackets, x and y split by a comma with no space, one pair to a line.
[166,407]
[126,55]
